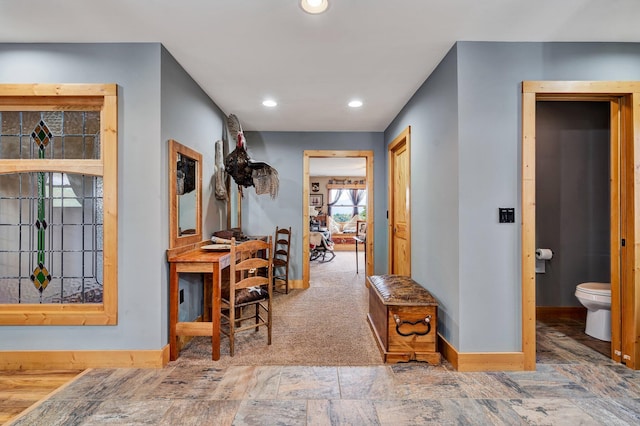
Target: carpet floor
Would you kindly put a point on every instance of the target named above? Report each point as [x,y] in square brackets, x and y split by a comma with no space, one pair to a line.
[323,325]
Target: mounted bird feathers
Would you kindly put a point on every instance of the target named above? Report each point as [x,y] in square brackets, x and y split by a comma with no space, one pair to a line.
[246,172]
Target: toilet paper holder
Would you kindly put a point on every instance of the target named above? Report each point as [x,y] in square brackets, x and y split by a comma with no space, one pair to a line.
[544,254]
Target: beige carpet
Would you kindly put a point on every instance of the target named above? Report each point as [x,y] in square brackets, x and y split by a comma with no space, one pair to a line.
[325,324]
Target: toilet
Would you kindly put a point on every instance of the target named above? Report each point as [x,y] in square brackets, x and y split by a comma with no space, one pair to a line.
[596,297]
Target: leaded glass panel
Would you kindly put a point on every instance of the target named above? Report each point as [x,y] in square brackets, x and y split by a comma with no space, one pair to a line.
[74,134]
[51,238]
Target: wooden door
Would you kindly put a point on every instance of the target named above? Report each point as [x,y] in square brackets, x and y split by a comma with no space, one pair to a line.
[400,204]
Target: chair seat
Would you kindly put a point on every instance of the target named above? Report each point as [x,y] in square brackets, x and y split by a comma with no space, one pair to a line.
[245,295]
[251,294]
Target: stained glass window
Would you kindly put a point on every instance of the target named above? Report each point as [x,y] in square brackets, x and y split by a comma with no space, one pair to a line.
[57,203]
[64,244]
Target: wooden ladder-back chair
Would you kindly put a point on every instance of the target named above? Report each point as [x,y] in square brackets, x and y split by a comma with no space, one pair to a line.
[281,250]
[250,278]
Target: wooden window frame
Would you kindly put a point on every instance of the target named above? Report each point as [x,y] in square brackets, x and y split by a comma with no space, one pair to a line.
[73,97]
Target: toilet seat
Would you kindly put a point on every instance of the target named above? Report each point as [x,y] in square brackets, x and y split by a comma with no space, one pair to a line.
[596,289]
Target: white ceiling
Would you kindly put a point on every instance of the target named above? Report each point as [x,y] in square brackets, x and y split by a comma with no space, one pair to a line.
[380,51]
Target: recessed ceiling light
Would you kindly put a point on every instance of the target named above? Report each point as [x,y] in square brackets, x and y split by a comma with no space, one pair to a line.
[269,103]
[355,104]
[314,6]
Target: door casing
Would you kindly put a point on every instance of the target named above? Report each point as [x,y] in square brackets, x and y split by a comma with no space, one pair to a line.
[368,155]
[624,98]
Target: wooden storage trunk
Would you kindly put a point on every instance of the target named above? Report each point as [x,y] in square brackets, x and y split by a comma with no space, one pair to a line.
[403,316]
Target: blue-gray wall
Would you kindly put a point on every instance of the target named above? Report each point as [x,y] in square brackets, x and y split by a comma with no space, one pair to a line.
[475,272]
[432,114]
[284,151]
[189,116]
[466,126]
[157,100]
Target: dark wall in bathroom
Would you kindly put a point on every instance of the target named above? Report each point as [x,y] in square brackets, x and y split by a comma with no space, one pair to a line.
[572,197]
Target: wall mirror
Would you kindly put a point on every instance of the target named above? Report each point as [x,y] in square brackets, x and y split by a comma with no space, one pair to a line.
[185,195]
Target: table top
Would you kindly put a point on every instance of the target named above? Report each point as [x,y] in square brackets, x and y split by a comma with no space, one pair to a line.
[194,253]
[199,256]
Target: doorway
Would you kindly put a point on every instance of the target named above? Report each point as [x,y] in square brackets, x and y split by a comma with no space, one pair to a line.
[573,205]
[624,103]
[308,195]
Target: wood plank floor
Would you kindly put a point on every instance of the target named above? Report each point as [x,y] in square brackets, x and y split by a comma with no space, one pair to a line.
[19,390]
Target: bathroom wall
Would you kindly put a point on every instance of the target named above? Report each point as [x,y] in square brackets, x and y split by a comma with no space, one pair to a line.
[572,197]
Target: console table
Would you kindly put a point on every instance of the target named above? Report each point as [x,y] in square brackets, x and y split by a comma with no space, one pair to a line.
[193,259]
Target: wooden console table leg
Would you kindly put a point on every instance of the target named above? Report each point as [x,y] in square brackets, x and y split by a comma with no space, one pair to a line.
[208,297]
[216,289]
[173,311]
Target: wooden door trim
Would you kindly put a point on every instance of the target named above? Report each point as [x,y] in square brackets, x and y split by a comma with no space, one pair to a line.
[307,155]
[404,138]
[627,144]
[631,232]
[615,220]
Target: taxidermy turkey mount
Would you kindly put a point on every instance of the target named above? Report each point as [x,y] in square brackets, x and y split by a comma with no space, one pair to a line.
[246,172]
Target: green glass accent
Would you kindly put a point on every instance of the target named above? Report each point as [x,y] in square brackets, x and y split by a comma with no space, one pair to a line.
[41,277]
[40,244]
[41,195]
[41,134]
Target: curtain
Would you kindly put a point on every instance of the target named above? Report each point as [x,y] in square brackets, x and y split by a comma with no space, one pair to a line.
[356,195]
[334,196]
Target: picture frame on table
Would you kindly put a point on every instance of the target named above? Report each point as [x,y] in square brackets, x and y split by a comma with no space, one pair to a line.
[361,228]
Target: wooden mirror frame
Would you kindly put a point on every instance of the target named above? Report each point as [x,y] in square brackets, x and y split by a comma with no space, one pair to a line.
[175,240]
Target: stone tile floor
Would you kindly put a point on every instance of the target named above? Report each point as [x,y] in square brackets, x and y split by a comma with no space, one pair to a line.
[573,385]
